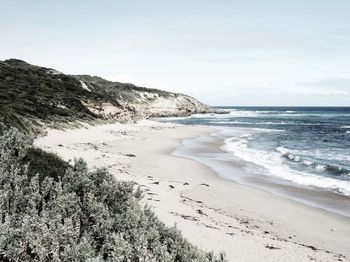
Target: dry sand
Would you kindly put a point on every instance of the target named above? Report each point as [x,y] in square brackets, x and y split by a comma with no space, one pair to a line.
[213,213]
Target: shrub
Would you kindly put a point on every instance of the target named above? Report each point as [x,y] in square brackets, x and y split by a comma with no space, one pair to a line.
[51,211]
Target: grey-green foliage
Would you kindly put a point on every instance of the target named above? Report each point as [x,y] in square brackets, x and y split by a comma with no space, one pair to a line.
[32,97]
[79,216]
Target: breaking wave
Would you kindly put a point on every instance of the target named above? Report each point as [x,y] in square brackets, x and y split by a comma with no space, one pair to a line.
[271,164]
[318,167]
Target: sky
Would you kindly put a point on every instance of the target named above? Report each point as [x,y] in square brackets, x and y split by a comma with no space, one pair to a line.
[240,53]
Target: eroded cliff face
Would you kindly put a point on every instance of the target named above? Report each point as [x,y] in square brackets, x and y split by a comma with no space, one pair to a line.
[152,105]
[146,102]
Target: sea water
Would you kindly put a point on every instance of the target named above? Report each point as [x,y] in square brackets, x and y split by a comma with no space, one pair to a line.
[307,147]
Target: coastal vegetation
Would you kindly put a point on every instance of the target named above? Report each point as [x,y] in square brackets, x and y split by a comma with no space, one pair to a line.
[53,211]
[33,98]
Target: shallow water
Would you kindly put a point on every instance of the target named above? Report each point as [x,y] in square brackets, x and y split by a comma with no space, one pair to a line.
[292,151]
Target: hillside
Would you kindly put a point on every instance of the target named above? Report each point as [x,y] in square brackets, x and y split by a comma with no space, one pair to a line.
[32,97]
[146,102]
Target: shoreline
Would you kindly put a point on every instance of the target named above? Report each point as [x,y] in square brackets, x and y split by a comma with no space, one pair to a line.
[213,213]
[208,150]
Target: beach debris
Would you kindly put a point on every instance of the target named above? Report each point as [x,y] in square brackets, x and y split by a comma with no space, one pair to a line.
[130,155]
[60,145]
[157,200]
[156,183]
[231,234]
[244,221]
[171,186]
[340,257]
[209,226]
[247,232]
[271,246]
[203,184]
[150,177]
[188,198]
[187,217]
[200,211]
[234,227]
[93,146]
[304,245]
[186,184]
[311,247]
[266,232]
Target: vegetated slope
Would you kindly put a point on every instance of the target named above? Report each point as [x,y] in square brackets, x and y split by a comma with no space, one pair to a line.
[32,97]
[146,102]
[53,211]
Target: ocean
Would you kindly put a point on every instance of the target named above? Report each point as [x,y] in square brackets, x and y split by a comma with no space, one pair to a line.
[302,153]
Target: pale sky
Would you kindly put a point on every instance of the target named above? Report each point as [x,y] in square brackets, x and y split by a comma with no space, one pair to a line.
[262,52]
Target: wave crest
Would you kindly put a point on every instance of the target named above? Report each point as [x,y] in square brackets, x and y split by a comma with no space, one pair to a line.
[272,165]
[318,167]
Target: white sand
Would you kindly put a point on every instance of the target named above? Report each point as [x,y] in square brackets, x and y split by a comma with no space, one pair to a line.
[213,213]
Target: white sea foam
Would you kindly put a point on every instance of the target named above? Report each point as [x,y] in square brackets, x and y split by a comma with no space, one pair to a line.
[237,113]
[282,150]
[307,162]
[327,154]
[288,154]
[272,123]
[228,122]
[271,163]
[248,136]
[203,115]
[320,168]
[170,118]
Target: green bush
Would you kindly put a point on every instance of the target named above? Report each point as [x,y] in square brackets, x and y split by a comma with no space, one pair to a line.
[51,211]
[44,164]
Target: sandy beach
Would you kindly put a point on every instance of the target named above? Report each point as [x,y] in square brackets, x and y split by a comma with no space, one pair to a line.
[213,213]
